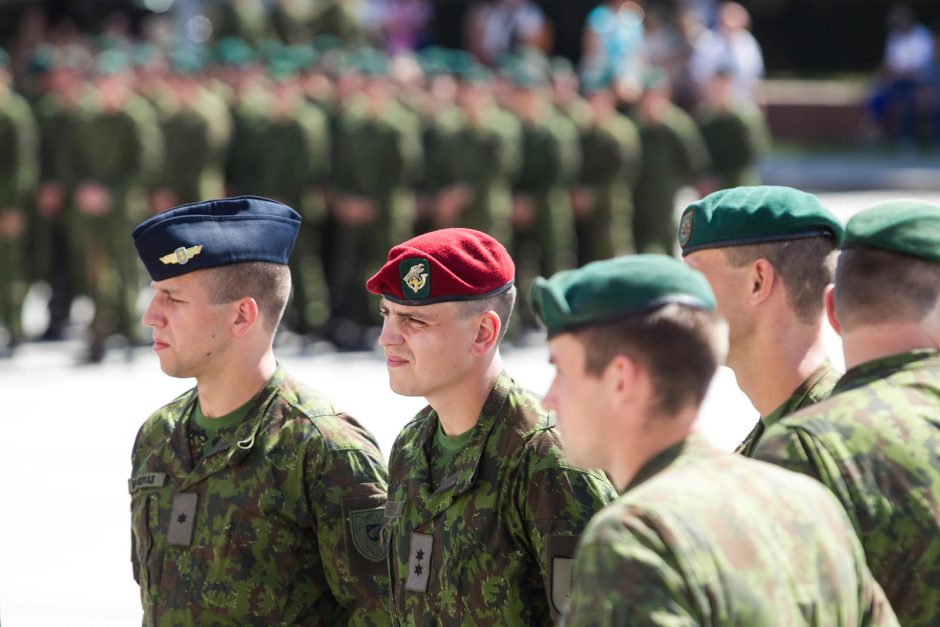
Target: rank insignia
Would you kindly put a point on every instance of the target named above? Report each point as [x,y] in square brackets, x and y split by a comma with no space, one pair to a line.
[181,255]
[415,278]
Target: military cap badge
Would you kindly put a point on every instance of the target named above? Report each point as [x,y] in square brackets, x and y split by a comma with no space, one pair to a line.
[181,255]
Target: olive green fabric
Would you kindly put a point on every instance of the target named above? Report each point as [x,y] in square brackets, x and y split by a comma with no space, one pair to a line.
[605,290]
[753,215]
[909,227]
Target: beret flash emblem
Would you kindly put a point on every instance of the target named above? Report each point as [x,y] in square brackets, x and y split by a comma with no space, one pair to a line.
[414,278]
[685,228]
[181,255]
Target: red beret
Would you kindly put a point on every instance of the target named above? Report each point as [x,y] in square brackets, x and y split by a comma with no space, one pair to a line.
[449,264]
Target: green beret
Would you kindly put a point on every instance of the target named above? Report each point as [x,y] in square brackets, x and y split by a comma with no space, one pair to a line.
[909,227]
[606,290]
[754,215]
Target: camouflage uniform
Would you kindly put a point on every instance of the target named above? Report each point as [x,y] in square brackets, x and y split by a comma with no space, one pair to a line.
[284,516]
[817,387]
[876,444]
[701,537]
[491,544]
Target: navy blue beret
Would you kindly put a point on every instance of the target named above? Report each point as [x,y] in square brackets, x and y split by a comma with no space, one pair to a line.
[216,233]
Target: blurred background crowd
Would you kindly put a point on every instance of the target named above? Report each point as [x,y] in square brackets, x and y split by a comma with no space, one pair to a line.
[377,120]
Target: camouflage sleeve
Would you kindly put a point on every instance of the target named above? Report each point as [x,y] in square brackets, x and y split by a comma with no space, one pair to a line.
[346,489]
[626,574]
[799,451]
[555,503]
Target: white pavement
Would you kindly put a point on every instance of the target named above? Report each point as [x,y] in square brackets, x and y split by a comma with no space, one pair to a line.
[66,434]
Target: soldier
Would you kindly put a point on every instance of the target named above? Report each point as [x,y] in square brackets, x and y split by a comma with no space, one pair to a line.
[293,141]
[769,254]
[876,441]
[698,536]
[196,129]
[118,154]
[56,109]
[484,510]
[253,498]
[674,155]
[542,220]
[603,198]
[19,154]
[377,157]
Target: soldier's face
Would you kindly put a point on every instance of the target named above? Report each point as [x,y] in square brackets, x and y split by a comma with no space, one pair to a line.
[190,334]
[578,399]
[427,348]
[731,289]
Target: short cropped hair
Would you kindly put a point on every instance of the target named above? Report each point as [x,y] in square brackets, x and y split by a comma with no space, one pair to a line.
[501,303]
[679,347]
[874,286]
[267,283]
[806,266]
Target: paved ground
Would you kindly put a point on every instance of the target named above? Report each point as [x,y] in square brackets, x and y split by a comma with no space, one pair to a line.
[66,433]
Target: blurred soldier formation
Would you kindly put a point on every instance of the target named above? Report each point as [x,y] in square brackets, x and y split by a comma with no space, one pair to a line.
[562,164]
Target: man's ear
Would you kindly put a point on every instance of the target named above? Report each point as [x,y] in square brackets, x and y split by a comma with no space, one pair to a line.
[829,300]
[621,377]
[488,332]
[246,316]
[761,280]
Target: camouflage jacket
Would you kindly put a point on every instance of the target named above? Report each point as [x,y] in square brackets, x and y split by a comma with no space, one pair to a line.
[492,545]
[703,537]
[279,525]
[876,444]
[818,386]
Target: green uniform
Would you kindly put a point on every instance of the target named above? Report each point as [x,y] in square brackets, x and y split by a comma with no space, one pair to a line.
[58,121]
[817,387]
[674,155]
[19,165]
[736,140]
[703,537]
[196,135]
[294,164]
[551,158]
[610,166]
[876,444]
[483,155]
[377,158]
[492,542]
[277,524]
[121,151]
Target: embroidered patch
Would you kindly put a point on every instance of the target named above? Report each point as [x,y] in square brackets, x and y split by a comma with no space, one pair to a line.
[415,276]
[146,480]
[181,255]
[685,227]
[365,529]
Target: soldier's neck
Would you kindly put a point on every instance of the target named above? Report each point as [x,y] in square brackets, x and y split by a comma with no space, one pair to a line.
[870,342]
[458,408]
[223,391]
[777,361]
